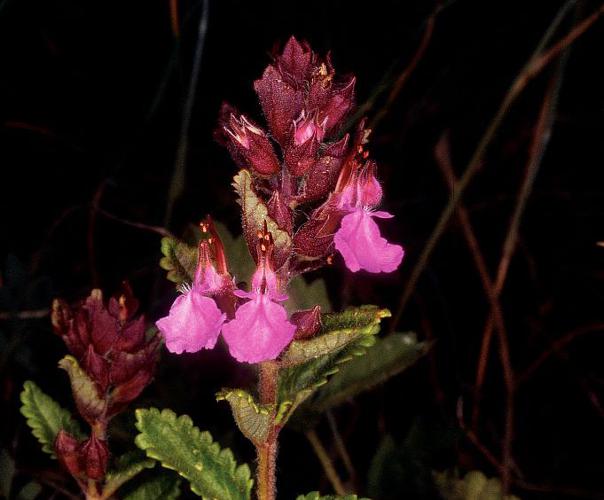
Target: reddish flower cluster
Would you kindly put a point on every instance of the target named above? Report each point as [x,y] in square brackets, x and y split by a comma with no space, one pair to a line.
[300,165]
[306,105]
[117,356]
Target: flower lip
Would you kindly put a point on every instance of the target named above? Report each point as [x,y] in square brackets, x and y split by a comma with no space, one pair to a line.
[259,332]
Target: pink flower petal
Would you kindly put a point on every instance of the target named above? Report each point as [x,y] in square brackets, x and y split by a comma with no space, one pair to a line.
[259,332]
[360,243]
[193,323]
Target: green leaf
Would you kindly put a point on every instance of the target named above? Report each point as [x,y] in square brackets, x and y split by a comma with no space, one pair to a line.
[338,331]
[85,392]
[474,486]
[255,212]
[180,446]
[387,358]
[163,486]
[315,495]
[308,363]
[46,417]
[126,467]
[254,420]
[180,260]
[303,295]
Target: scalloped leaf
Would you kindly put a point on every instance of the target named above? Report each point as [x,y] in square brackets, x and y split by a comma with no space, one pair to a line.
[387,358]
[85,392]
[46,417]
[255,213]
[338,331]
[178,445]
[180,260]
[126,467]
[310,362]
[254,420]
[164,486]
[315,495]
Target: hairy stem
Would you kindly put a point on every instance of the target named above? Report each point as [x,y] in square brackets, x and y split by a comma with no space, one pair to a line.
[267,451]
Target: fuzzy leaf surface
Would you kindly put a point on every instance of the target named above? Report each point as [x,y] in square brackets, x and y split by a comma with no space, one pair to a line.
[85,392]
[255,213]
[385,359]
[163,486]
[253,419]
[46,417]
[308,363]
[179,259]
[178,445]
[126,467]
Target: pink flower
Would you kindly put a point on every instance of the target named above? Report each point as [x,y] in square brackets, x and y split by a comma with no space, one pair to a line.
[360,243]
[194,320]
[358,239]
[260,330]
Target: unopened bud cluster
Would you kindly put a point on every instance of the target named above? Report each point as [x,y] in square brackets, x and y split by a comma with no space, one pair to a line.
[117,358]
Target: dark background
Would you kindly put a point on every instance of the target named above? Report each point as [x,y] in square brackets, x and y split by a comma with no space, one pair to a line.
[91,104]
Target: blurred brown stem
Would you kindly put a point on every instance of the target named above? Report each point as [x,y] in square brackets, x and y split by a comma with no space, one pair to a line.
[536,63]
[341,447]
[443,160]
[557,346]
[326,463]
[404,76]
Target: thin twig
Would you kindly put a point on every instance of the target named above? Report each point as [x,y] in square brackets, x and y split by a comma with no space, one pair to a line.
[162,231]
[341,447]
[326,462]
[404,76]
[519,482]
[534,65]
[541,138]
[180,163]
[443,160]
[557,346]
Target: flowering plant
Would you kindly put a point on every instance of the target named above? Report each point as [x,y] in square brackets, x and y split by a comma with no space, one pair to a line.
[308,192]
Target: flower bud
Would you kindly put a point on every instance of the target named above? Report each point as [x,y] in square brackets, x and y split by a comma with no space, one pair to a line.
[280,101]
[66,448]
[280,212]
[301,153]
[250,143]
[308,322]
[322,177]
[94,456]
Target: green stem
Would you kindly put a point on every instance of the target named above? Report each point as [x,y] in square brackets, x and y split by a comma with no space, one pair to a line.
[267,451]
